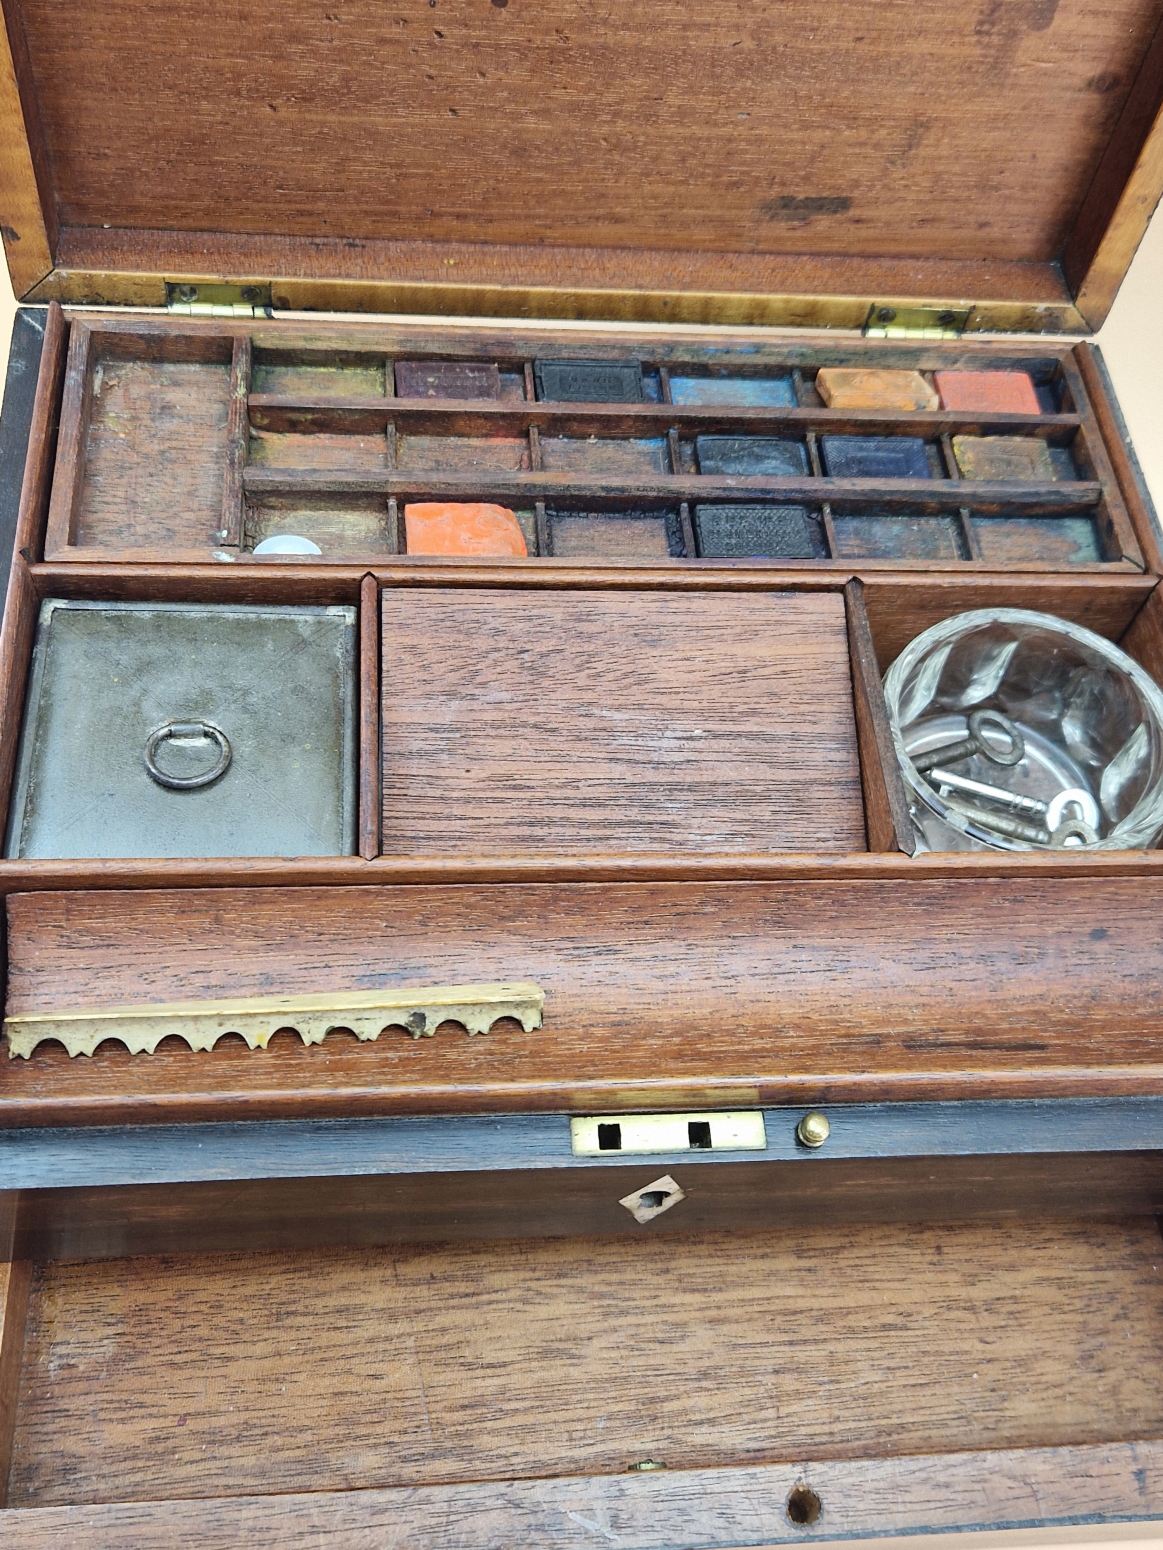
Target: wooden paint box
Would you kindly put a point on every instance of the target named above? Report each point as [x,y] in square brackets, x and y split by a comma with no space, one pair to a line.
[382,1288]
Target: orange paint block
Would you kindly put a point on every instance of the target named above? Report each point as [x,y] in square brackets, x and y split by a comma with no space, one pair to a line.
[443,527]
[999,392]
[842,387]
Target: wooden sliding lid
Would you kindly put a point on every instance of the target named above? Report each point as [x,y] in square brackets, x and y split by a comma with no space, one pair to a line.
[750,161]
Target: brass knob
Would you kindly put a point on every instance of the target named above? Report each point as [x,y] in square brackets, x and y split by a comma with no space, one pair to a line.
[813,1130]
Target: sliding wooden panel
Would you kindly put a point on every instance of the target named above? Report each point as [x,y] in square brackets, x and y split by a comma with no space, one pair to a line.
[641,722]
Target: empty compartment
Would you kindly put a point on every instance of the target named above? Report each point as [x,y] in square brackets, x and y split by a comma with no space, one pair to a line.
[752,455]
[1048,540]
[891,535]
[590,382]
[343,527]
[207,730]
[878,457]
[319,449]
[154,455]
[448,379]
[618,722]
[624,535]
[741,392]
[462,453]
[758,531]
[349,376]
[604,455]
[425,1365]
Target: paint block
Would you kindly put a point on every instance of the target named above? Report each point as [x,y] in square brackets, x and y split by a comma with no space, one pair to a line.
[740,392]
[987,392]
[447,379]
[875,457]
[1004,457]
[765,532]
[752,455]
[842,387]
[589,382]
[472,528]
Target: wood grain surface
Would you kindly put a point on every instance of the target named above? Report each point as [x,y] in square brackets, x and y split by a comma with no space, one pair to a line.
[154,460]
[1048,1491]
[641,723]
[30,229]
[663,995]
[15,1281]
[841,150]
[422,1365]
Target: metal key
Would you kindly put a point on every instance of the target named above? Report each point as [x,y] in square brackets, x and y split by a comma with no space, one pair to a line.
[979,722]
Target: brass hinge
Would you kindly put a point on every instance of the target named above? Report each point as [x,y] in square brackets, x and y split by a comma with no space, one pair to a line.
[201,300]
[886,322]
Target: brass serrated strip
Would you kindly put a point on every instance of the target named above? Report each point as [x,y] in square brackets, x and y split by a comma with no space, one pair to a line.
[201,1024]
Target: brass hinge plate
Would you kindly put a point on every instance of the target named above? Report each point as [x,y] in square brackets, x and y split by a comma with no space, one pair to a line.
[614,1135]
[188,298]
[888,322]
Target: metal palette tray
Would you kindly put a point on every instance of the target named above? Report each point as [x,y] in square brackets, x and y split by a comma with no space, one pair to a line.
[185,730]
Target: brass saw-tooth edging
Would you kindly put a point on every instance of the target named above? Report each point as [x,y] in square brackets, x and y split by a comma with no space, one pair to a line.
[419,1011]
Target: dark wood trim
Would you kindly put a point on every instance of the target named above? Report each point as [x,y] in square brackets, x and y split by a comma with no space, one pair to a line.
[456,870]
[711,1509]
[69,471]
[15,1281]
[1124,465]
[1126,188]
[237,445]
[43,434]
[21,408]
[104,1192]
[886,810]
[369,718]
[613,491]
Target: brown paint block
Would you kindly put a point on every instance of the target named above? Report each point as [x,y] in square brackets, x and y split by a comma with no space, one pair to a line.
[844,388]
[471,527]
[996,392]
[447,379]
[1003,457]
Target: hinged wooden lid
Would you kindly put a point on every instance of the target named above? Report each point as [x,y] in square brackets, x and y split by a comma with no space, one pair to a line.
[751,161]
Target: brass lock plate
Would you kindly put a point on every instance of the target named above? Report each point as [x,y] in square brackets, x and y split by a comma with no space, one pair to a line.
[611,1135]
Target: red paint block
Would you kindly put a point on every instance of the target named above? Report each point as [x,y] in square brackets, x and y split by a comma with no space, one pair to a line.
[474,528]
[996,392]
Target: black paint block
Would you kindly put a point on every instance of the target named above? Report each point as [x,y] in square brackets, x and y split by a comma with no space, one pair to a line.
[875,457]
[447,379]
[757,532]
[589,382]
[752,455]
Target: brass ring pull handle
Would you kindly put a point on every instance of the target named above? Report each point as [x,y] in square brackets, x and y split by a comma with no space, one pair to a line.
[202,729]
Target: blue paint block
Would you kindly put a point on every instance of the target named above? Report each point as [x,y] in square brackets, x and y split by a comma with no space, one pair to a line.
[875,457]
[760,392]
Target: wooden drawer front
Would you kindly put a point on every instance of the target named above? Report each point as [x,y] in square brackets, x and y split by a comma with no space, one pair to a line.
[657,996]
[485,1365]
